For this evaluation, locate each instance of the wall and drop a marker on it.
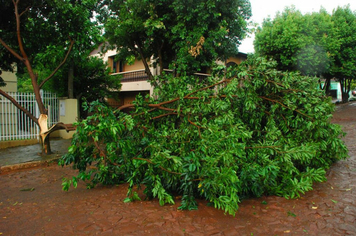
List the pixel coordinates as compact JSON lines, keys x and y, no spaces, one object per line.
{"x":10,"y":80}
{"x":8,"y":112}
{"x":138,"y":65}
{"x":137,"y":86}
{"x":68,"y":114}
{"x":237,"y":60}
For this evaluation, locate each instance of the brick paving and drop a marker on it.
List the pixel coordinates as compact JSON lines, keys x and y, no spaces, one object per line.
{"x":330,"y":209}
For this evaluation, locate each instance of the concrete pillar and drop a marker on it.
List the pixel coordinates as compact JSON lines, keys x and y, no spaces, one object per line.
{"x":68,"y":114}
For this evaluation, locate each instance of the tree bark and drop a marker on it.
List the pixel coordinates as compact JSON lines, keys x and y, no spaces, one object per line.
{"x":44,"y":138}
{"x":71,"y":80}
{"x":147,"y":67}
{"x":326,"y":86}
{"x":345,"y":89}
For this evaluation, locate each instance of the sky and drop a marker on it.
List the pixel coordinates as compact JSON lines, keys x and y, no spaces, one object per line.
{"x":262,"y":9}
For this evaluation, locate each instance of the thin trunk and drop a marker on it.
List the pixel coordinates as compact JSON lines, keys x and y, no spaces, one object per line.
{"x":71,"y":80}
{"x":160,"y":58}
{"x":147,"y":67}
{"x":27,"y":63}
{"x":345,"y":89}
{"x":326,"y":86}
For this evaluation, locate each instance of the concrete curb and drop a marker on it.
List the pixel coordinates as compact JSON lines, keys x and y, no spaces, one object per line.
{"x":27,"y":165}
{"x":17,"y":143}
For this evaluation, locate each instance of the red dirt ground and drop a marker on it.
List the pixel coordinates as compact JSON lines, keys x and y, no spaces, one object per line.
{"x":330,"y":209}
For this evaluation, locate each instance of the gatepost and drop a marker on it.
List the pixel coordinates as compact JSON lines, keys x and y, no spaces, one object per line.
{"x":68,"y":114}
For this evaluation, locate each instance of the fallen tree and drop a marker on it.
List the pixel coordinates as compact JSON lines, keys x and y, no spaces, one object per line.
{"x":249,"y":132}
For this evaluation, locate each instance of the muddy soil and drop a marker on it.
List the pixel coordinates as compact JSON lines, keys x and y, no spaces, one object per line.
{"x":32,"y":203}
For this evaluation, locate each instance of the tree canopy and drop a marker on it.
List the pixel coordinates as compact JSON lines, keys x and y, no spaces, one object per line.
{"x":344,"y":66}
{"x":44,"y":25}
{"x":306,"y":43}
{"x":183,"y":35}
{"x":316,"y":44}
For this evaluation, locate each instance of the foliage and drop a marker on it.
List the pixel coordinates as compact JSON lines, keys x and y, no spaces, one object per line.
{"x":183,"y":35}
{"x":46,"y":26}
{"x":306,"y":43}
{"x":250,"y":131}
{"x":85,"y":33}
{"x":316,"y":44}
{"x":92,"y":81}
{"x":344,"y":67}
{"x":345,"y":20}
{"x":101,"y":127}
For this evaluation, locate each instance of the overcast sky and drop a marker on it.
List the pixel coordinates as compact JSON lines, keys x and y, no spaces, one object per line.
{"x":261,"y":9}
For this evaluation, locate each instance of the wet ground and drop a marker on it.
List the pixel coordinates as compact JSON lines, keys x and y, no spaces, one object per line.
{"x":27,"y":155}
{"x":32,"y":203}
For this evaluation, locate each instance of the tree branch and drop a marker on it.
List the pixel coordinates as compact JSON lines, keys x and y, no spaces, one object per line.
{"x":163,"y":115}
{"x":11,"y":50}
{"x":274,"y":101}
{"x":161,"y":167}
{"x":13,"y":101}
{"x":191,"y":122}
{"x":159,"y":105}
{"x":27,"y":8}
{"x":60,"y":65}
{"x":102,"y":153}
{"x":18,"y":32}
{"x":147,"y":68}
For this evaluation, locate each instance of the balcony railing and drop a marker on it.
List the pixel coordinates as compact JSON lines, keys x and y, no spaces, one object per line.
{"x":201,"y":76}
{"x":140,"y":75}
{"x":132,"y":76}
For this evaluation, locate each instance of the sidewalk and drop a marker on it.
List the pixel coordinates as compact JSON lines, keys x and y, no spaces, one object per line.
{"x":29,"y":156}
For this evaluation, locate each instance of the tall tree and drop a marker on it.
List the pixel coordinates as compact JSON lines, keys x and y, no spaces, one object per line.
{"x":183,"y":35}
{"x":344,"y":66}
{"x":306,"y":43}
{"x":316,"y":44}
{"x":34,"y":28}
{"x":91,"y":81}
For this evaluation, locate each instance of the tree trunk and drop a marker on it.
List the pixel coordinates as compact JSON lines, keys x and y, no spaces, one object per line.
{"x":70,"y":80}
{"x":345,"y":89}
{"x":345,"y":97}
{"x":160,"y":58}
{"x":326,"y":86}
{"x":44,"y":136}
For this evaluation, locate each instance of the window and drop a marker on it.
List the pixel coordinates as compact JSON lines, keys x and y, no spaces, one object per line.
{"x":117,"y":66}
{"x":231,"y":63}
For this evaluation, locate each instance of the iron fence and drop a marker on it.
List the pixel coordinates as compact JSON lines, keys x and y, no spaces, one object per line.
{"x":15,"y":125}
